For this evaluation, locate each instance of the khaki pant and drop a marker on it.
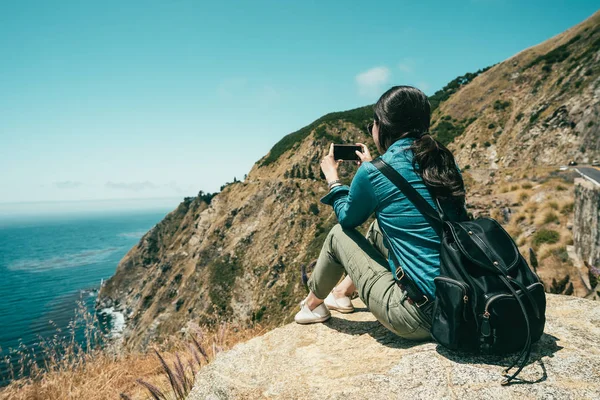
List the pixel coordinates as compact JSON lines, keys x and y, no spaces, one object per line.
{"x":365,"y":261}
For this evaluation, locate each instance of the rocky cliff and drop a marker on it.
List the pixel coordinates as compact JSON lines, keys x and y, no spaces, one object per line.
{"x":237,"y":256}
{"x":353,"y":357}
{"x":586,"y":232}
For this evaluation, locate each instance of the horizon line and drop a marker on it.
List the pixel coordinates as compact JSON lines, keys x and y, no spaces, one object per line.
{"x":91,"y":200}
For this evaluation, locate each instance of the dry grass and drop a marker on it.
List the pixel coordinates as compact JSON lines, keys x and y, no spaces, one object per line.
{"x":540,"y":199}
{"x":523,"y":196}
{"x":531,"y":207}
{"x":167,"y":371}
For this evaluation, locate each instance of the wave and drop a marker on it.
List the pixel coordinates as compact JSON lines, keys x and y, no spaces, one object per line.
{"x":116,"y":321}
{"x":72,"y":260}
{"x":132,"y":235}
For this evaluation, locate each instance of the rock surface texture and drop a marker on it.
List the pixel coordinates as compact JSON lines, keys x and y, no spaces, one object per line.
{"x":586,"y":226}
{"x":353,"y":357}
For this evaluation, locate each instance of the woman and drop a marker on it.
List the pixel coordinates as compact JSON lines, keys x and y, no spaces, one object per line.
{"x":401,"y":251}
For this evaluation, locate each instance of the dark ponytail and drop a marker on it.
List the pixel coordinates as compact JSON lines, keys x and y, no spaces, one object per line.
{"x":404,"y":111}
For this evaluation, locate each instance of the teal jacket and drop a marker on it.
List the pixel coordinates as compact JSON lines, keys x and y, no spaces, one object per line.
{"x":408,"y":235}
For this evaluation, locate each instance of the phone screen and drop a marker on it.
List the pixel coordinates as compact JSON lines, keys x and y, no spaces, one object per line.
{"x":346,"y":152}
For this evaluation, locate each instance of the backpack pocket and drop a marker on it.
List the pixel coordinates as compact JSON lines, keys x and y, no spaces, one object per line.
{"x":503,"y":326}
{"x":450,"y":323}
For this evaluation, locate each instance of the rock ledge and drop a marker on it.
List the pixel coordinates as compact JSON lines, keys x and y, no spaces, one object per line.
{"x":353,"y":357}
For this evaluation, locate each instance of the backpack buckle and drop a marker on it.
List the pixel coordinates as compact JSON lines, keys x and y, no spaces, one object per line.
{"x":399,"y":269}
{"x":423,"y":302}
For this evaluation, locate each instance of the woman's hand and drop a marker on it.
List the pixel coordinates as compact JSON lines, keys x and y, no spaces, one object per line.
{"x":365,"y":155}
{"x":329,"y":166}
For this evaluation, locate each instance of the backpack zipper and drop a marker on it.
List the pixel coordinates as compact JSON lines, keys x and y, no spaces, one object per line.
{"x":458,"y":283}
{"x":485,"y":325}
{"x":465,"y":290}
{"x":494,"y":297}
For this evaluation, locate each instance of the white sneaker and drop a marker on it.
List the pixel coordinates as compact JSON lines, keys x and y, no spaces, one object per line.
{"x":343,"y":305}
{"x":306,"y":316}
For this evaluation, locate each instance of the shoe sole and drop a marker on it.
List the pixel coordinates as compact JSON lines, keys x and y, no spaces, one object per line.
{"x":314,"y":321}
{"x":343,"y":310}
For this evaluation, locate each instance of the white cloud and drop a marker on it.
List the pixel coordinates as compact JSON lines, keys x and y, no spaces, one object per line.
{"x":68,"y":184}
{"x":371,"y":82}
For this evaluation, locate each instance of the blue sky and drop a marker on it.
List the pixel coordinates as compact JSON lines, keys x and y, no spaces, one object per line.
{"x":161,"y":99}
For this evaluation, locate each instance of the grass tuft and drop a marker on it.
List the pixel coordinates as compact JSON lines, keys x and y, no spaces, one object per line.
{"x":99,"y":373}
{"x":548,"y":236}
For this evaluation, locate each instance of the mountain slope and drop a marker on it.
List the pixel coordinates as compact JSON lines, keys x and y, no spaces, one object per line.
{"x":237,"y":256}
{"x":539,"y":107}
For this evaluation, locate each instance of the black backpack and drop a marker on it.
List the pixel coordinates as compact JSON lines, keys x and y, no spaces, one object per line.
{"x":488,"y":300}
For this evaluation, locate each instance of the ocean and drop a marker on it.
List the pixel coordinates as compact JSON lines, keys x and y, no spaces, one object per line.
{"x":50,"y":264}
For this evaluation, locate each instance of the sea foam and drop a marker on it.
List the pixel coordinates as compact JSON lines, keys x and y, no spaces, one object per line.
{"x":116,"y":321}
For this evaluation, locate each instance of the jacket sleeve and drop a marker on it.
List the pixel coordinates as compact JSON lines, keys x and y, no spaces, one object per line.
{"x":353,"y":205}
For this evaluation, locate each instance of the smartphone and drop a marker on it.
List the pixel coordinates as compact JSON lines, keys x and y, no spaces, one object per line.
{"x":346,"y":152}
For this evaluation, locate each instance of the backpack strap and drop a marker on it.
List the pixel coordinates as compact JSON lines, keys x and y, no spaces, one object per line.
{"x":435,"y":217}
{"x":523,"y":357}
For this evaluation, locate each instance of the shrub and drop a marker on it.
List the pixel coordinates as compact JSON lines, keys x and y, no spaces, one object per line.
{"x":560,"y":188}
{"x":519,"y":116}
{"x":560,"y":286}
{"x":531,"y":207}
{"x":466,"y":167}
{"x":314,"y":208}
{"x":469,"y":121}
{"x":222,"y":275}
{"x":523,"y":196}
{"x":451,"y":88}
{"x":446,"y":131}
{"x":491,"y":126}
{"x":501,"y":105}
{"x":548,"y":236}
{"x":550,"y":217}
{"x":487,"y":144}
{"x":526,"y":185}
{"x":567,"y":208}
{"x":556,"y":55}
{"x":358,"y":116}
{"x":206,"y":197}
{"x":553,"y":205}
{"x":561,"y":254}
